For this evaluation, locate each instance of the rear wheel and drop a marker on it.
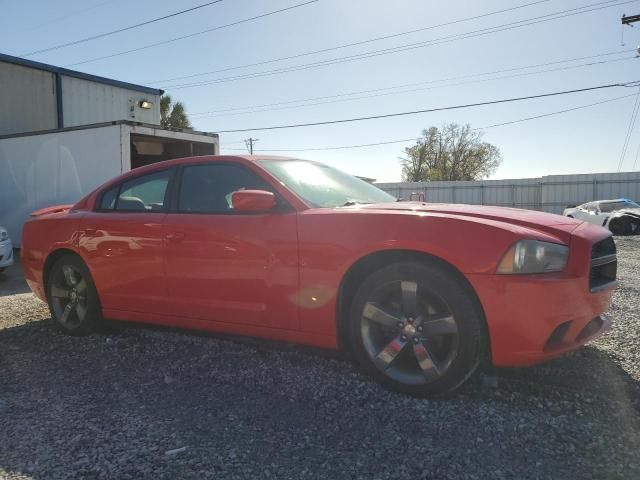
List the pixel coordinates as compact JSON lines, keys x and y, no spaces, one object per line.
{"x":417,"y":329}
{"x":72,"y":296}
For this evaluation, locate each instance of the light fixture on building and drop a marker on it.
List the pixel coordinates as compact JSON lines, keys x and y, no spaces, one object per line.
{"x":145,"y":104}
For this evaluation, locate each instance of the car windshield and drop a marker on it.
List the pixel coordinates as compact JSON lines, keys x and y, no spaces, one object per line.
{"x":613,"y":206}
{"x":324,"y":186}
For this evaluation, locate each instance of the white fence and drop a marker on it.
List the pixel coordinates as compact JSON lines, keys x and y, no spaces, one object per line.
{"x":551,"y":193}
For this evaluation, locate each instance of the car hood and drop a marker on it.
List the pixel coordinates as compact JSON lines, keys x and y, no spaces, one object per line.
{"x":627,"y":211}
{"x":546,"y":222}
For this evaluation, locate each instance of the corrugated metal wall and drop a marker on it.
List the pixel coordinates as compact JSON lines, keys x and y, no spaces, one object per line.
{"x":27,"y":99}
{"x":85,"y":102}
{"x":551,"y":193}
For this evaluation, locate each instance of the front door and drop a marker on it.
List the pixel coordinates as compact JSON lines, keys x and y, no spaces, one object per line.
{"x":226,"y":266}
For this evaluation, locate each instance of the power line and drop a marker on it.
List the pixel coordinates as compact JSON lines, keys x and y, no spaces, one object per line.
{"x":57,"y":19}
{"x":190,"y":35}
{"x":119,"y":30}
{"x":526,"y":119}
{"x":404,"y":47}
{"x":635,"y":161}
{"x":632,"y":122}
{"x":428,"y":110}
{"x":353,"y":44}
{"x":287,"y":105}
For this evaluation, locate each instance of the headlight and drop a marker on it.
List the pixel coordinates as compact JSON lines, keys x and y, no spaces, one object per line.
{"x":4,"y":235}
{"x":533,"y":256}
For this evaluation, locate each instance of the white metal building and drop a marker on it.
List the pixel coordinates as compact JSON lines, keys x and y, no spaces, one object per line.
{"x":63,"y":133}
{"x":35,"y":96}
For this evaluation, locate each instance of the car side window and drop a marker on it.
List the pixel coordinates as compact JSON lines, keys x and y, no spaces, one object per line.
{"x":207,"y":188}
{"x":108,"y":200}
{"x":144,"y":194}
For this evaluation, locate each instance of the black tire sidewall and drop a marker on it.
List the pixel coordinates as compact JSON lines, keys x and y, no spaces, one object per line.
{"x":93,"y":319}
{"x":463,"y":305}
{"x":619,"y":226}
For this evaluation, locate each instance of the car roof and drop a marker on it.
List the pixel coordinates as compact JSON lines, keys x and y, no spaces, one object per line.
{"x":613,"y":201}
{"x":208,"y":158}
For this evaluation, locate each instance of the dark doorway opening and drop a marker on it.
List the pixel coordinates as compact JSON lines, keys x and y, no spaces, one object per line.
{"x":146,"y":149}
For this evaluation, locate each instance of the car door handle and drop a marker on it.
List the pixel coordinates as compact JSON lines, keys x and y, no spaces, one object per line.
{"x":175,"y":237}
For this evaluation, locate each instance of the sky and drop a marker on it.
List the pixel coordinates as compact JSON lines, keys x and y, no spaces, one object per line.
{"x":586,"y":140}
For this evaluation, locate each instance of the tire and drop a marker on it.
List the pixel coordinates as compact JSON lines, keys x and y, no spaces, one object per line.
{"x":2,"y":269}
{"x":619,"y":226}
{"x":417,"y":329}
{"x":72,"y":297}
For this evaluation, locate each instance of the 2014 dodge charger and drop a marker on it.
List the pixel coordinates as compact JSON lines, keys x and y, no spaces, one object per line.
{"x":292,"y":250}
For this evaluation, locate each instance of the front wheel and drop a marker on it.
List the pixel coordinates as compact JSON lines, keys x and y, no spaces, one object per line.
{"x":619,"y":226}
{"x":417,"y":328}
{"x":72,"y":296}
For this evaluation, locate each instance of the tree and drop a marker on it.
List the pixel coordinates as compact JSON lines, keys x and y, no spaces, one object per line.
{"x":453,"y":152}
{"x":173,"y":115}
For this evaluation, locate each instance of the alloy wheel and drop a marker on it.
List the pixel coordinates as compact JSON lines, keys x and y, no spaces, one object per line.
{"x":69,"y":296}
{"x":409,"y":333}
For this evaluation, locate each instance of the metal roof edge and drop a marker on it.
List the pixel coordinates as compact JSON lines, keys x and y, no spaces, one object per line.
{"x":107,"y":124}
{"x":75,"y":74}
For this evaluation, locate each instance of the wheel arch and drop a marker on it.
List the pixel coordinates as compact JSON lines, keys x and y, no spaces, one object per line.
{"x":371,"y":262}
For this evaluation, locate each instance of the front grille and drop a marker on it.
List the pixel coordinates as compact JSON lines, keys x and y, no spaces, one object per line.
{"x":591,"y":328}
{"x":604,"y":264}
{"x":557,"y":336}
{"x":603,"y":248}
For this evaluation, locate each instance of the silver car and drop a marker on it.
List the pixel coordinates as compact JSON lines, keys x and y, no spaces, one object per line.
{"x":621,"y":216}
{"x":6,"y":250}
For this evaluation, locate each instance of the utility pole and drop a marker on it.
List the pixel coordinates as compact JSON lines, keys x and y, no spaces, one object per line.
{"x":630,"y":19}
{"x":249,"y":143}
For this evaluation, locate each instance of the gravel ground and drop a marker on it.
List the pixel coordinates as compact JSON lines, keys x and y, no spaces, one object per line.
{"x":154,"y":403}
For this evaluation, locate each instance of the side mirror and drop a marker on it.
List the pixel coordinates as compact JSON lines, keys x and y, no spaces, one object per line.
{"x":253,"y":201}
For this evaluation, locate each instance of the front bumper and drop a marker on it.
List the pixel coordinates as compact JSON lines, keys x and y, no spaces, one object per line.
{"x":534,"y":318}
{"x":6,"y":254}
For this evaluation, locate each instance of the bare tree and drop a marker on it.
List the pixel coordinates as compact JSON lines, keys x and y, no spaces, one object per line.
{"x":453,"y":152}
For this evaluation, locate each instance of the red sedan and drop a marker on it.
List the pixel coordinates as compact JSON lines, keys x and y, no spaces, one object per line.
{"x":420,"y":294}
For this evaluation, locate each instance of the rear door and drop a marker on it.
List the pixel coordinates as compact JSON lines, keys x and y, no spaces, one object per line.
{"x":226,"y":266}
{"x":124,"y":241}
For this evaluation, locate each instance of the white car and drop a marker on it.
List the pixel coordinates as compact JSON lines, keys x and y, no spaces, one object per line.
{"x":6,"y":250}
{"x":621,"y":216}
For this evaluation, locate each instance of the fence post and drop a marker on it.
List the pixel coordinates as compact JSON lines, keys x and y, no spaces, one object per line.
{"x":453,"y":194}
{"x":513,"y":195}
{"x":482,"y":194}
{"x":595,"y":189}
{"x":540,"y":207}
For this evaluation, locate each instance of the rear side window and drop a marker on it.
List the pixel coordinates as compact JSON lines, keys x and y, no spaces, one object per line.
{"x":207,"y":188}
{"x":144,"y":194}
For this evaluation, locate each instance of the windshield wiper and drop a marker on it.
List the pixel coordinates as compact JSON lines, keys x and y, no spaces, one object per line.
{"x":351,"y":203}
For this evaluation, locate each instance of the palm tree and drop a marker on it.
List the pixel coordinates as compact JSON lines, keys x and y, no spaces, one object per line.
{"x":173,"y":115}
